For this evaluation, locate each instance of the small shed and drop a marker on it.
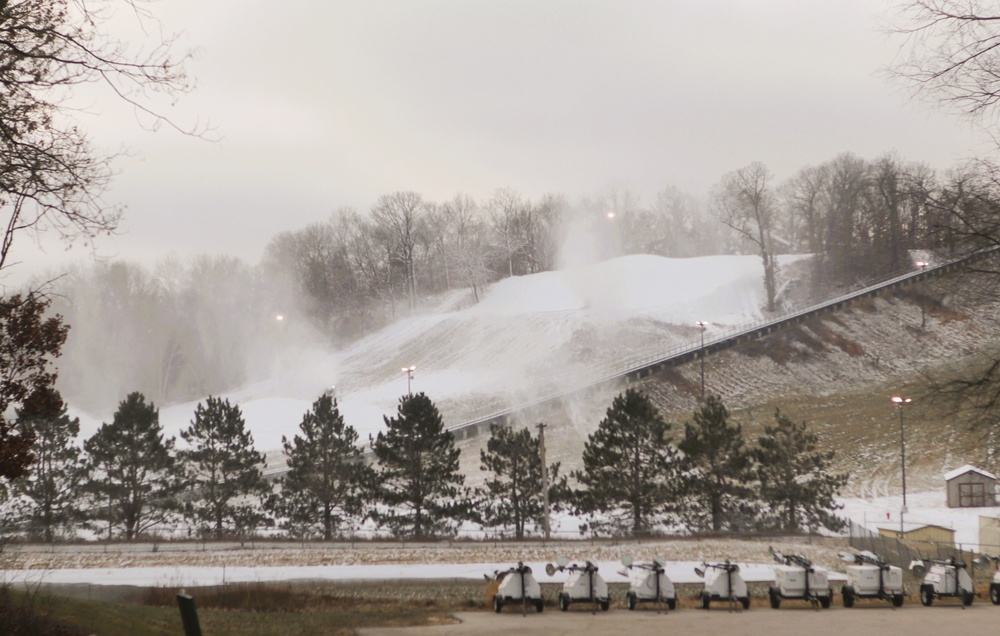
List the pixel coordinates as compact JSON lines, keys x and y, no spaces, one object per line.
{"x":970,"y":487}
{"x":923,"y":535}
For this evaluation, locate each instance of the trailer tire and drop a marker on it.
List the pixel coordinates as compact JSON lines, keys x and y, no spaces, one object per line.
{"x":497,"y":604}
{"x":897,"y":600}
{"x":605,"y":604}
{"x":745,"y":601}
{"x":672,"y":603}
{"x":848,"y":593}
{"x":995,"y":594}
{"x":630,"y":600}
{"x":563,"y":603}
{"x":967,"y":597}
{"x":772,"y":594}
{"x":926,"y":595}
{"x":539,"y":605}
{"x":824,"y":602}
{"x":706,"y":600}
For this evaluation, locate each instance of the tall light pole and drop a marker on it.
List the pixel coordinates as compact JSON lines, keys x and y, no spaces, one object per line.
{"x":545,"y":482}
{"x":923,"y":314}
{"x":703,"y":325}
{"x":409,"y":377}
{"x":900,"y":401}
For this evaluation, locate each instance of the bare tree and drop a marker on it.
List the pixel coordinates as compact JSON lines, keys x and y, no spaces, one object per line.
{"x":802,"y":196}
{"x":950,"y":54}
{"x":398,"y":216}
{"x":744,"y":201}
{"x":51,"y":178}
{"x":846,"y":185}
{"x":505,"y":209}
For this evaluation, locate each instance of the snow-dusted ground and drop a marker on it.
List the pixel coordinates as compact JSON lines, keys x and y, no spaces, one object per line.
{"x":190,"y":565}
{"x":193,"y":564}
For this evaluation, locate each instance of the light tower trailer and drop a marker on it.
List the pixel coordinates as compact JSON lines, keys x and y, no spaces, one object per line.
{"x":796,"y":578}
{"x":723,"y":583}
{"x":991,"y":560}
{"x":995,"y":588}
{"x":945,"y":578}
{"x":517,"y":585}
{"x":871,"y":576}
{"x":584,"y":584}
{"x":649,"y":583}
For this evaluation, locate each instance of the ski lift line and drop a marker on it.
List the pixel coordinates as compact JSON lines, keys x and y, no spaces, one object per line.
{"x":723,"y":339}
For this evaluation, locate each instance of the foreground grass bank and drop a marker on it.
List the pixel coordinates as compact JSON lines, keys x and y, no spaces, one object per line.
{"x":255,"y":609}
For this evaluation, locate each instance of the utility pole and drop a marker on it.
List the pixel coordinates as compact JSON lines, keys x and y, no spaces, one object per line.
{"x":703,"y":325}
{"x":545,"y":481}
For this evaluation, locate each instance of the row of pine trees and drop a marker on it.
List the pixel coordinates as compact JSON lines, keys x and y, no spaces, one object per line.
{"x":129,"y":480}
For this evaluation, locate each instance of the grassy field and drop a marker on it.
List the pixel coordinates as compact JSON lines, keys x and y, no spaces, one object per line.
{"x":261,"y":609}
{"x":255,"y":609}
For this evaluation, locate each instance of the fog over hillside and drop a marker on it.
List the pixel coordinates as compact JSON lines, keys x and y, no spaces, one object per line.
{"x":536,"y":335}
{"x":528,"y":335}
{"x":533,"y":336}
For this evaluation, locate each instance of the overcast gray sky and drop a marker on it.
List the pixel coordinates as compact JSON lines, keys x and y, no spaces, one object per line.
{"x":327,"y":103}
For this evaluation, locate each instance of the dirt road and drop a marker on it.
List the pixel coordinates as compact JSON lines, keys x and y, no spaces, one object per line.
{"x":980,"y":618}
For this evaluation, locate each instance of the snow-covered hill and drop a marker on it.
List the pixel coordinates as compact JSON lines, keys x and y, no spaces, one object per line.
{"x":532,"y":335}
{"x":525,"y":334}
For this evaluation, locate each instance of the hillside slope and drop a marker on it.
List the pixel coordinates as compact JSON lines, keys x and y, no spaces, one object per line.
{"x":532,"y":335}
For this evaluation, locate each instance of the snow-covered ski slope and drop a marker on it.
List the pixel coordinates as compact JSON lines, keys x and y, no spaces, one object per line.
{"x":525,"y":334}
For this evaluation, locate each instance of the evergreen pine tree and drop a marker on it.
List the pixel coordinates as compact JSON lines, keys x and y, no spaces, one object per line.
{"x":630,"y":468}
{"x":513,"y":496}
{"x":131,"y":468}
{"x":719,"y":470}
{"x":327,"y":479}
{"x":419,"y":481}
{"x":223,"y":470}
{"x":49,"y":495}
{"x":795,"y":479}
{"x":29,"y":341}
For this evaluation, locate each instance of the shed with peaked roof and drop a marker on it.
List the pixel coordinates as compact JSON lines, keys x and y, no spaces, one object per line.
{"x":970,"y":487}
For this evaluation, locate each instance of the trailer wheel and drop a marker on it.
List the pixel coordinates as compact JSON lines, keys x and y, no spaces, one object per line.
{"x":563,"y":602}
{"x":824,"y":602}
{"x":497,"y":604}
{"x":539,"y":605}
{"x":897,"y":600}
{"x":630,"y":600}
{"x":672,"y":603}
{"x":706,"y":600}
{"x":848,"y":593}
{"x":605,"y":604}
{"x":967,"y":597}
{"x":745,"y":601}
{"x":772,"y":593}
{"x":995,"y":594}
{"x":926,"y":595}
